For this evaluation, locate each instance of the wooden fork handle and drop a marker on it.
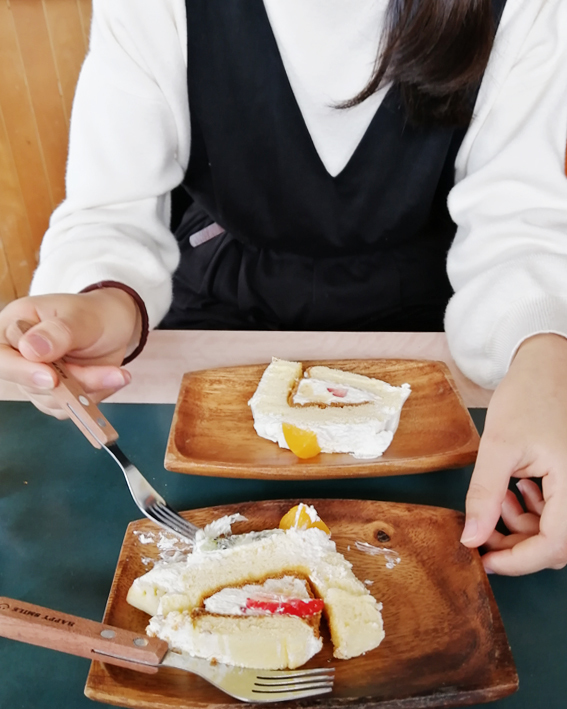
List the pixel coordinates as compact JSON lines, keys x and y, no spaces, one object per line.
{"x":73,"y":398}
{"x":35,"y":625}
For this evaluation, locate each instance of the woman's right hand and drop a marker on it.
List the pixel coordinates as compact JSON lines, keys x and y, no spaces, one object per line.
{"x":92,"y":331}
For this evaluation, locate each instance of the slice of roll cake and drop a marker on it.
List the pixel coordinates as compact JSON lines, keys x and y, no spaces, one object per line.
{"x":272,"y":625}
{"x":255,"y":600}
{"x":346,"y":412}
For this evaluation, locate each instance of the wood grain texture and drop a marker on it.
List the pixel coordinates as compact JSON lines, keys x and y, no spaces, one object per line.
{"x":16,"y":136}
{"x":49,"y":120}
{"x":45,"y":627}
{"x":15,"y":231}
{"x":445,"y":644}
{"x":43,"y":43}
{"x":68,"y":42}
{"x":85,"y":13}
{"x":212,"y":430}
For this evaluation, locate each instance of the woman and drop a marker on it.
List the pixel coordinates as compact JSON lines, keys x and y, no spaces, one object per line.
{"x":329,"y":190}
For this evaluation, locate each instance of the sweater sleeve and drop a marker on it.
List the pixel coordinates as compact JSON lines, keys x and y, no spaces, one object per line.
{"x":508,"y":262}
{"x":128,"y":148}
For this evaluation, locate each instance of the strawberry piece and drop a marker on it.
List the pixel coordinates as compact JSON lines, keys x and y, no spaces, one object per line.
{"x":340,"y":392}
{"x":289,"y":606}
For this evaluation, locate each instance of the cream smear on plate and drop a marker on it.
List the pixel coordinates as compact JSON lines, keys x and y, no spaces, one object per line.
{"x":390,"y":556}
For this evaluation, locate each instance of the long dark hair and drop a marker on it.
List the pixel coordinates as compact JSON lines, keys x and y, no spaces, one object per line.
{"x":436,"y":52}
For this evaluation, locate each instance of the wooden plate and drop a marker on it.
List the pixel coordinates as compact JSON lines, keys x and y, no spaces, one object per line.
{"x":212,"y":432}
{"x":445,"y":644}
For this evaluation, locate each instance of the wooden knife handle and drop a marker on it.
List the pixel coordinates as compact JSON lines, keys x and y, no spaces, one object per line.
{"x":73,"y":398}
{"x":35,"y":625}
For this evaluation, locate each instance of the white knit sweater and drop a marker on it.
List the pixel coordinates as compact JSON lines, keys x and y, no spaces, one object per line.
{"x":130,"y":143}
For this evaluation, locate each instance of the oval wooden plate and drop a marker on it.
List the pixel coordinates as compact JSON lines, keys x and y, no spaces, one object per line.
{"x":212,"y":431}
{"x":445,"y":644}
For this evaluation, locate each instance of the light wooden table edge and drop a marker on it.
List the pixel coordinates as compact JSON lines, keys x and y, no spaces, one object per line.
{"x":169,"y":354}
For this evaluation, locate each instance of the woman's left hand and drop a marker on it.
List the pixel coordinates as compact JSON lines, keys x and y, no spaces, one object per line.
{"x":525,"y":436}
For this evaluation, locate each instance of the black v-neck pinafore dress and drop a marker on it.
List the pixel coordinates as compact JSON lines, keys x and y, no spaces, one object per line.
{"x":303,"y":250}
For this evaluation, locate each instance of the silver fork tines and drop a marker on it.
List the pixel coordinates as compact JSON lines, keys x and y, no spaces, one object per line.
{"x":294,"y":684}
{"x":279,"y":686}
{"x":150,"y":502}
{"x":256,"y":685}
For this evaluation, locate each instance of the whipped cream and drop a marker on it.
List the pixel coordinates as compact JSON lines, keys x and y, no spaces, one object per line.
{"x":390,"y":555}
{"x":232,"y":601}
{"x":319,"y":391}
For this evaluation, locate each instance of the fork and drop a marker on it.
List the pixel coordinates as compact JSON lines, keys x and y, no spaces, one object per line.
{"x":35,"y":625}
{"x":100,"y":433}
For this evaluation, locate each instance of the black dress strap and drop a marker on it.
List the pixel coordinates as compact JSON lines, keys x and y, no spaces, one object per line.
{"x":302,"y":249}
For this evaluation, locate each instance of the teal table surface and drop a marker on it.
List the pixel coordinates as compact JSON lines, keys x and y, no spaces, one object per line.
{"x":64,"y":508}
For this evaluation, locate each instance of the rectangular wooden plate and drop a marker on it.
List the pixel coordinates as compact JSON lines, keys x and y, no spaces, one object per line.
{"x":212,"y":431}
{"x":445,"y":644}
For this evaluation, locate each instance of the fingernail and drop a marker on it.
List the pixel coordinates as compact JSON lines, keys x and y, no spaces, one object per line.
{"x":40,"y":345}
{"x":42,"y":380}
{"x":114,"y":380}
{"x":470,"y":531}
{"x":488,"y":571}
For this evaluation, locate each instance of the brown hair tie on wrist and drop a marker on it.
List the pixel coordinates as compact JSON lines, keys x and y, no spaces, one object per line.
{"x":141,"y":307}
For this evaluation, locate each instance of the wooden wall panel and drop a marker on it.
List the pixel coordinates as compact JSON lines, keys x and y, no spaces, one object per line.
{"x":42,"y":45}
{"x":85,"y":11}
{"x":45,"y":115}
{"x":6,"y":286}
{"x":16,"y":258}
{"x":22,"y":169}
{"x":68,"y":42}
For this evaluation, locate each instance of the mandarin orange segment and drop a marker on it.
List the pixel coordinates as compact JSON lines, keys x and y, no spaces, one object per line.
{"x":299,"y":518}
{"x":303,"y":443}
